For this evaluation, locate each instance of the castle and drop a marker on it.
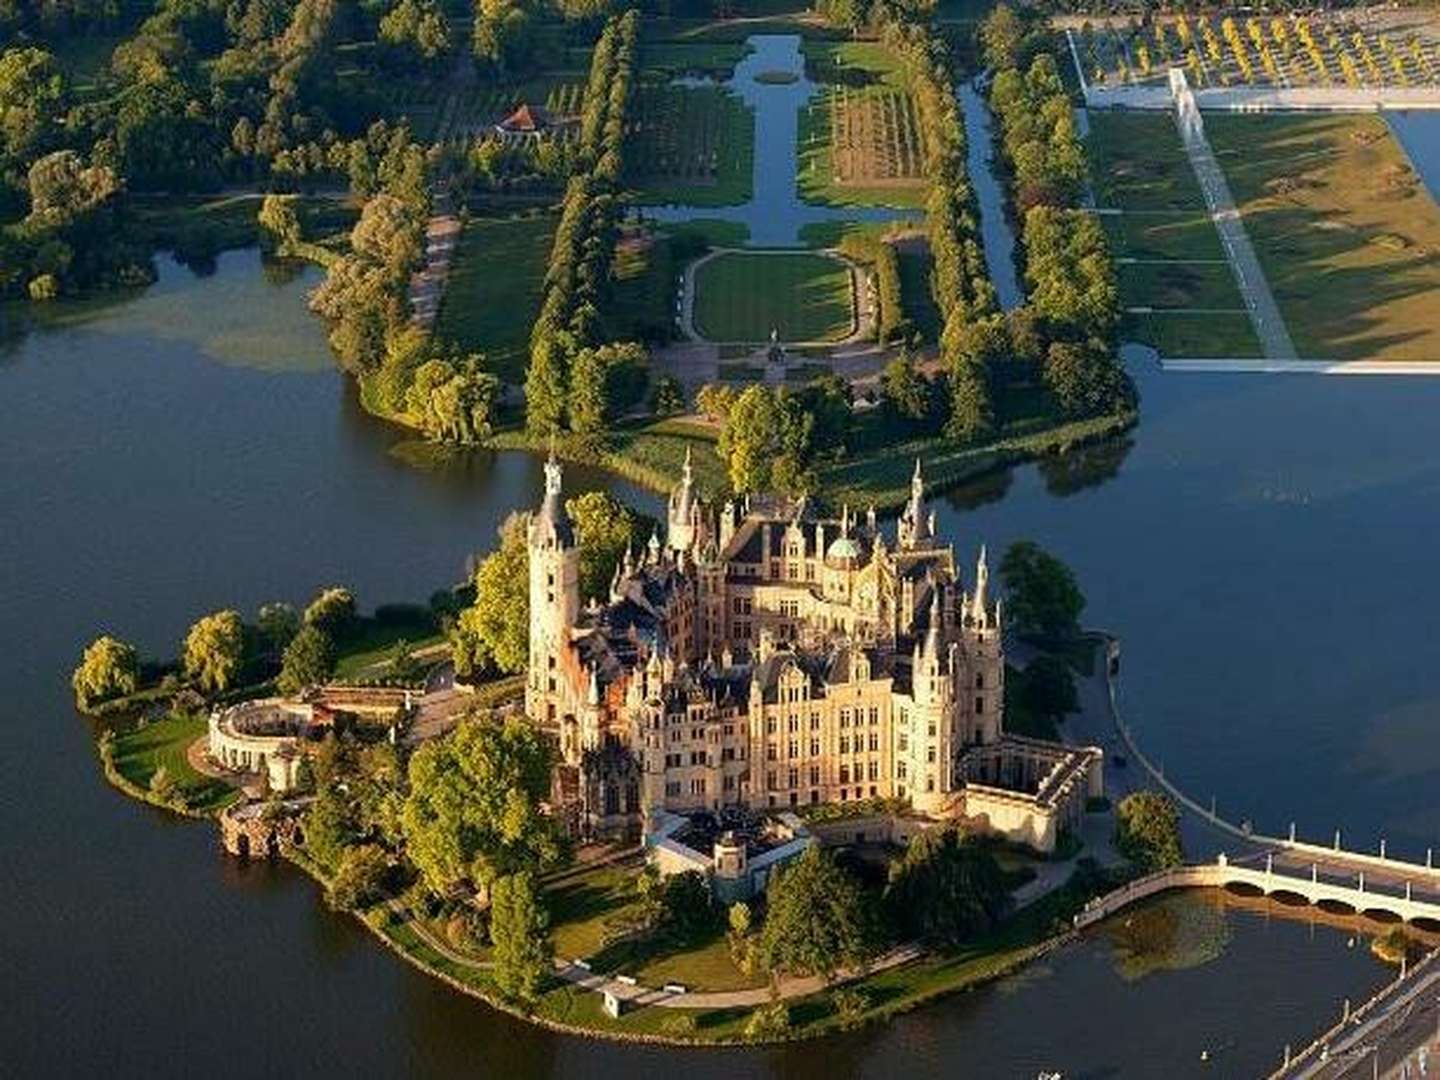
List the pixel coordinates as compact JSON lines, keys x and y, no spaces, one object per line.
{"x":768,"y":658}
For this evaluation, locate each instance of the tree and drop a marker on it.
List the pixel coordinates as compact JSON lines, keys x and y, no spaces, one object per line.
{"x":946,"y":889}
{"x":817,"y":923}
{"x":214,"y":649}
{"x":750,"y":439}
{"x":689,"y":907}
{"x":1048,"y":687}
{"x":32,"y":98}
{"x":1041,"y":596}
{"x":668,"y":396}
{"x":278,"y":624}
{"x":604,"y":529}
{"x":768,"y":1022}
{"x":109,"y":668}
{"x":63,"y":189}
{"x":332,"y":611}
{"x":972,"y":410}
{"x":519,"y":930}
{"x":329,"y":824}
{"x":1085,"y":380}
{"x":474,"y":809}
{"x":360,"y":877}
{"x":309,"y":660}
{"x":1147,"y":830}
{"x":495,"y":630}
{"x":278,"y":218}
{"x":904,"y":391}
{"x":715,"y":400}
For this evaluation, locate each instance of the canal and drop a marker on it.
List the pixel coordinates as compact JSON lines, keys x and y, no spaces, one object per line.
{"x":1265,"y":548}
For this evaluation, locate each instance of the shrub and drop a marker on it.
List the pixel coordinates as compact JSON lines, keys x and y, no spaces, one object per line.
{"x":769,"y":1022}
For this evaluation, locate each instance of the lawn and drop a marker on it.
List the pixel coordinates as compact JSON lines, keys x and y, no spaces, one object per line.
{"x":1344,"y":229}
{"x":741,"y":297}
{"x":860,"y":139}
{"x":1181,"y":336}
{"x":1138,"y":162}
{"x":1182,"y":285}
{"x":692,"y":145}
{"x":642,"y":304}
{"x":493,"y":295}
{"x":141,"y":750}
{"x":581,"y":905}
{"x":1163,"y":236}
{"x":916,"y":296}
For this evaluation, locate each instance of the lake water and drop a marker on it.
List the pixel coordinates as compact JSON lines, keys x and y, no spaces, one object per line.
{"x":775,"y":214}
{"x":1265,"y":547}
{"x":1419,"y":132}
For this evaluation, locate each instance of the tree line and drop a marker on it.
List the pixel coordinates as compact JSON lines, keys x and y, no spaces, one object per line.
{"x":562,"y":383}
{"x":1071,"y":318}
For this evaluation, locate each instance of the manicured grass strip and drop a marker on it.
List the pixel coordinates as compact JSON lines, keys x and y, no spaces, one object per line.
{"x":1180,"y":285}
{"x":1344,"y":230}
{"x":137,"y":754}
{"x":1139,"y":163}
{"x":741,"y":297}
{"x":493,"y":293}
{"x":1163,"y":236}
{"x":1182,"y":336}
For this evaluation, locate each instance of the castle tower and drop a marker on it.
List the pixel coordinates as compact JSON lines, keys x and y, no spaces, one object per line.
{"x":554,"y":605}
{"x":983,"y":702}
{"x":683,"y":524}
{"x":931,"y":736}
{"x":916,"y":527}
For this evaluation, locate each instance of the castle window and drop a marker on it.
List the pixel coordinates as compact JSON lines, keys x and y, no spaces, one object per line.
{"x":770,"y":783}
{"x":874,"y":742}
{"x":727,"y":754}
{"x":697,"y":786}
{"x":794,"y":749}
{"x":874,"y":716}
{"x":904,"y":742}
{"x":930,"y":783}
{"x":672,"y":787}
{"x":873,"y":792}
{"x":874,"y":773}
{"x":697,"y":757}
{"x":771,"y":753}
{"x":844,"y":717}
{"x":844,"y":744}
{"x":979,"y":680}
{"x":930,"y":755}
{"x":814,"y":747}
{"x":844,"y":794}
{"x":769,"y":725}
{"x":814,"y":775}
{"x":814,"y":721}
{"x":900,"y":770}
{"x":814,"y":797}
{"x":794,"y":799}
{"x":729,"y":783}
{"x":844,"y":774}
{"x":794,"y":777}
{"x":979,"y":705}
{"x":931,"y":729}
{"x":809,"y":571}
{"x":792,"y":724}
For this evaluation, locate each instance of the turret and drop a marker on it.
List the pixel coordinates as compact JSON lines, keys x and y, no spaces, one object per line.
{"x":916,"y":528}
{"x":683,"y":525}
{"x":980,"y":609}
{"x":554,"y":573}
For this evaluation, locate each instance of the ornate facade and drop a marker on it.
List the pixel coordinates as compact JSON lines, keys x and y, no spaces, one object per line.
{"x":764,"y":657}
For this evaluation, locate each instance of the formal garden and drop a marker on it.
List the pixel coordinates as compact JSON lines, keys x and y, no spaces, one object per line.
{"x":742,"y":297}
{"x":1331,"y":49}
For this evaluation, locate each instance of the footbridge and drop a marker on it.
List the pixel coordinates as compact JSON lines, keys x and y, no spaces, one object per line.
{"x":1392,"y":894}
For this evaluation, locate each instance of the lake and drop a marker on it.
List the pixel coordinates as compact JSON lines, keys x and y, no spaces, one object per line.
{"x":1265,"y":548}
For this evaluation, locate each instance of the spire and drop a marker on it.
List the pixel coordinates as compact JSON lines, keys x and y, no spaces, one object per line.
{"x":594,"y":696}
{"x":982,"y":582}
{"x":932,"y":633}
{"x":552,"y":523}
{"x":654,"y":546}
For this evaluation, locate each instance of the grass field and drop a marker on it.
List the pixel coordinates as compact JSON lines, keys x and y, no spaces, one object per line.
{"x":860,"y":139}
{"x":1345,"y":231}
{"x":140,"y":751}
{"x":642,"y":305}
{"x":1167,"y":251}
{"x":493,"y":294}
{"x":692,"y":145}
{"x":741,"y":297}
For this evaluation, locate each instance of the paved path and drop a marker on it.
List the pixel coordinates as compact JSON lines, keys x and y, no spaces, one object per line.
{"x":1264,"y":312}
{"x":427,"y":285}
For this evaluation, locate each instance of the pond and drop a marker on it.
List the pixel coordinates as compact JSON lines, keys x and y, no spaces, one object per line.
{"x":996,"y":234}
{"x":1263,"y":546}
{"x":775,"y":214}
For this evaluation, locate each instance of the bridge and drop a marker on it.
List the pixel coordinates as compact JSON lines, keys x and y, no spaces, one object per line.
{"x":1391,"y":893}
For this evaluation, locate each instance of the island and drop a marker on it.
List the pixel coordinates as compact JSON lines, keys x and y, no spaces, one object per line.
{"x":764,"y":771}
